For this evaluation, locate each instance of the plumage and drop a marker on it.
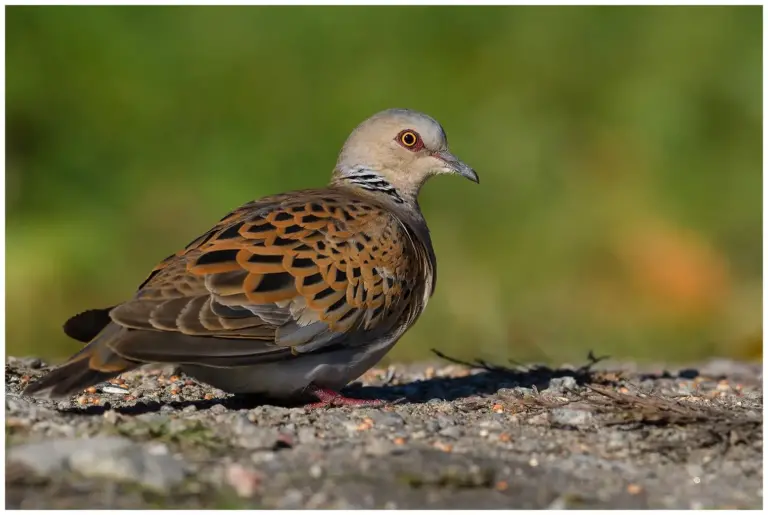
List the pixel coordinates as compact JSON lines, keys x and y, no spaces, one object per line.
{"x":301,"y":291}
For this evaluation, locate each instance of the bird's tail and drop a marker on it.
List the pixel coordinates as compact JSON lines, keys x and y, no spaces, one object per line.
{"x":96,"y":362}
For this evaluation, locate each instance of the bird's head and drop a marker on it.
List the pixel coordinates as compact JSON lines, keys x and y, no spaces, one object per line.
{"x":397,"y":148}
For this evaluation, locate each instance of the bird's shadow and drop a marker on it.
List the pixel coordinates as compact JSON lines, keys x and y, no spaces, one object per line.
{"x":489,"y":380}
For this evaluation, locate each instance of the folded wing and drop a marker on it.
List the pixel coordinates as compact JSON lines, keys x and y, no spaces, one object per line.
{"x":297,"y":273}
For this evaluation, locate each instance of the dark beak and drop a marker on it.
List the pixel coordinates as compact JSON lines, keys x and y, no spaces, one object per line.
{"x":455,"y":165}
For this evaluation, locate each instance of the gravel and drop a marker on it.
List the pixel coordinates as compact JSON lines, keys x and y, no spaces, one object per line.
{"x":466,"y":435}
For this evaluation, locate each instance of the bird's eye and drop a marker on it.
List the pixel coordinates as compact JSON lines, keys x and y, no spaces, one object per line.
{"x":410,"y":140}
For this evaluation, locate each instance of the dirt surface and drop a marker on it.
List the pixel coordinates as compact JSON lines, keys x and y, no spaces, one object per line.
{"x":607,"y":435}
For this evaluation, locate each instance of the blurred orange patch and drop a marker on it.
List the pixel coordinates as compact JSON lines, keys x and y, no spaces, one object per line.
{"x":676,"y":269}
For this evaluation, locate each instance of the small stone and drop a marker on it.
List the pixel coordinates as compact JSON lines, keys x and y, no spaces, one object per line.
{"x":452,"y":432}
{"x":115,"y":390}
{"x":177,"y":425}
{"x":538,"y":420}
{"x":13,"y":422}
{"x":189,"y":409}
{"x":571,"y":416}
{"x":385,"y":419}
{"x":351,"y":426}
{"x":306,"y":434}
{"x":252,"y":436}
{"x":102,"y":456}
{"x":443,"y":446}
{"x":291,"y":499}
{"x":284,"y":441}
{"x":563,"y":383}
{"x":244,"y":481}
{"x":315,"y":471}
{"x":218,"y":408}
{"x":157,"y":449}
{"x":263,"y":456}
{"x":378,"y":447}
{"x":365,"y":425}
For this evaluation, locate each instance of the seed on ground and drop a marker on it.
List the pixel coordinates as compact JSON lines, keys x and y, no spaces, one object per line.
{"x":634,"y":489}
{"x":365,"y":425}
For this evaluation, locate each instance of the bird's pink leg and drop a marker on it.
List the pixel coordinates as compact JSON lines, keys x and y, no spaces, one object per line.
{"x":329,"y":398}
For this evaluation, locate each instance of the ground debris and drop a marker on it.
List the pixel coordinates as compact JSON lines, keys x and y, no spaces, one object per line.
{"x":468,"y":434}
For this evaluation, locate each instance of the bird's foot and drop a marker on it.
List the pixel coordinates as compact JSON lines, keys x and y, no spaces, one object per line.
{"x":329,"y":398}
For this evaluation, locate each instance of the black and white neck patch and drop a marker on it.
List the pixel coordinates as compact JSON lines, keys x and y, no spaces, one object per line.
{"x":370,"y":180}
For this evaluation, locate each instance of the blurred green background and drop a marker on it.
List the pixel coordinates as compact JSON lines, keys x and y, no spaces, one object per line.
{"x":619,"y":150}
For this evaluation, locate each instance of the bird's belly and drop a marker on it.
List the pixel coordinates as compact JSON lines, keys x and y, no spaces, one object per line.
{"x":285,"y":379}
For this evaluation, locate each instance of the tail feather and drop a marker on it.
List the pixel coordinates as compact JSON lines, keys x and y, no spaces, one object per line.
{"x":95,"y":363}
{"x":87,"y":325}
{"x":117,"y":349}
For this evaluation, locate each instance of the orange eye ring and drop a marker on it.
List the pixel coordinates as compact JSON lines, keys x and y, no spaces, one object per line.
{"x":409,"y":139}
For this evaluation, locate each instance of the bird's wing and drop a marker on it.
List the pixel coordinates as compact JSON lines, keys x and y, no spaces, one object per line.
{"x":295,"y":272}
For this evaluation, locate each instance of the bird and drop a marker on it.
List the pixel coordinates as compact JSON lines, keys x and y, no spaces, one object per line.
{"x":289,"y":295}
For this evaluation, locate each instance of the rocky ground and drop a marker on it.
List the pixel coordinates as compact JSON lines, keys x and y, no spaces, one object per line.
{"x":465,"y":436}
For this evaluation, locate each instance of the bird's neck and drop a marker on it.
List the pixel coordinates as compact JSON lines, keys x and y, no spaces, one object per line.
{"x":371,"y":182}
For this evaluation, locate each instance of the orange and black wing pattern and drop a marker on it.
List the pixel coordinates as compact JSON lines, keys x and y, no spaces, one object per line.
{"x":301,"y":271}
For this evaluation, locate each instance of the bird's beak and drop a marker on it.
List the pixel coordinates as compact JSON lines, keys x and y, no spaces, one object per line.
{"x":454,"y":165}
